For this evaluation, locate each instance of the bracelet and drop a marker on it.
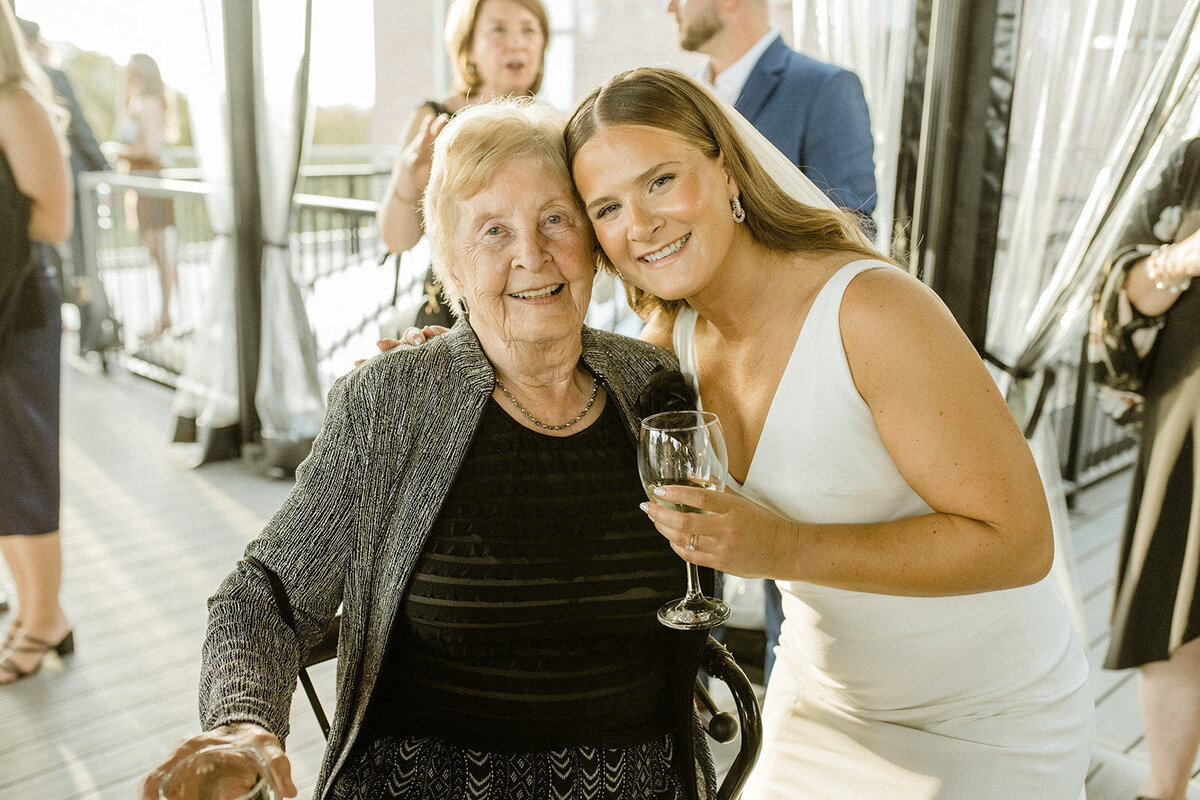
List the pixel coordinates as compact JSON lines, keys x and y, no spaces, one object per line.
{"x":1159,"y":275}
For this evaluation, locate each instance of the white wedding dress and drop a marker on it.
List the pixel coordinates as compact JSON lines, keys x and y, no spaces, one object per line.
{"x":972,"y":697}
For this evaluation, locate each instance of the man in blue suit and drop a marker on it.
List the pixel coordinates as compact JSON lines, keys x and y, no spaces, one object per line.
{"x":814,"y":112}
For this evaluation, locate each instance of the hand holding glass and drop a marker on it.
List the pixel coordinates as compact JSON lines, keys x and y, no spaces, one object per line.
{"x":220,"y":772}
{"x":684,"y":448}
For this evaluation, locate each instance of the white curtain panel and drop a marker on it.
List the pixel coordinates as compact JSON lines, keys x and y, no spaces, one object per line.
{"x":207,"y":390}
{"x":1079,"y":152}
{"x":288,"y":397}
{"x":873,"y":39}
{"x":1074,"y":142}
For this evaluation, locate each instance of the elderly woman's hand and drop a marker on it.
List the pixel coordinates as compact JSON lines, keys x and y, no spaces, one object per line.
{"x":245,"y":734}
{"x":731,"y":534}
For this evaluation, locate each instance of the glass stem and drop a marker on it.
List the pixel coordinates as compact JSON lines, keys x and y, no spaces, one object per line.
{"x":693,"y":588}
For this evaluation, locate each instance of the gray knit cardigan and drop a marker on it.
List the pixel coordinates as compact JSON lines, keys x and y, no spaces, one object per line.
{"x":351,"y":531}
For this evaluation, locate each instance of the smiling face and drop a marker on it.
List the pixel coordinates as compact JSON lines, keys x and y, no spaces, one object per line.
{"x":524,"y":264}
{"x":506,"y":49}
{"x":660,"y":208}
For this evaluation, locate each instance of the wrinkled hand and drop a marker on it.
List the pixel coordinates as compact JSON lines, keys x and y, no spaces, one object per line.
{"x":734,"y":534}
{"x":246,"y":734}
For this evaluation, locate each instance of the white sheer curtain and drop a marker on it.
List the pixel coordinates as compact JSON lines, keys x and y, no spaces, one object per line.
{"x":873,"y":39}
{"x":1082,"y":149}
{"x":288,"y":398}
{"x":1071,"y":149}
{"x":206,"y":399}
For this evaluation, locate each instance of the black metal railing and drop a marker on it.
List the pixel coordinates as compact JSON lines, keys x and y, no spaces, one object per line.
{"x":336,"y":256}
{"x":353,"y":292}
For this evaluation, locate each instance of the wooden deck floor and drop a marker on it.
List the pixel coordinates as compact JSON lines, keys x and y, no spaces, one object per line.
{"x":147,"y":538}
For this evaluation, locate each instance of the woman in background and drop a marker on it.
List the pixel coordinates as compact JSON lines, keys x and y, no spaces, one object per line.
{"x":497,"y":49}
{"x":35,"y":207}
{"x":1148,"y":298}
{"x":142,"y":134}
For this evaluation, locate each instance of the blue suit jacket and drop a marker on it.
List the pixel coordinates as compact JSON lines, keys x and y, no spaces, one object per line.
{"x":816,"y":114}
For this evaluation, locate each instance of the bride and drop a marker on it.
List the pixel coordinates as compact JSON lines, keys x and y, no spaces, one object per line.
{"x":876,"y":472}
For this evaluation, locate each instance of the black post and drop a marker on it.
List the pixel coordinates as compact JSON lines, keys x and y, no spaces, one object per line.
{"x":239,"y":68}
{"x":954,"y":142}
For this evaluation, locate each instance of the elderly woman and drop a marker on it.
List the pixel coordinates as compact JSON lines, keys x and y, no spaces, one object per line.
{"x":473,"y":506}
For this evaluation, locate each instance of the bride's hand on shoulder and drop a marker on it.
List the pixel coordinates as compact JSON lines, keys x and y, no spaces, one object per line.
{"x":413,"y":337}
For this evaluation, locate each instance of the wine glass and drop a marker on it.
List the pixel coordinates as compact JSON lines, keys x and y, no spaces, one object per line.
{"x":220,"y":772}
{"x":684,"y":448}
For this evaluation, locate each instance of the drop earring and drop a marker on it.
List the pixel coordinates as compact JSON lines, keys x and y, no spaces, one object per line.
{"x":739,"y":213}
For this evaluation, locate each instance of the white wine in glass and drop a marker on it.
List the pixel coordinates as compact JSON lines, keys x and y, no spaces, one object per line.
{"x":220,"y":772}
{"x":684,"y":448}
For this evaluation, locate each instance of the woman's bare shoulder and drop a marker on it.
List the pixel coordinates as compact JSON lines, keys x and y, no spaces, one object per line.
{"x":892,"y":324}
{"x":17,"y":100}
{"x":21,"y":114}
{"x":884,"y":293}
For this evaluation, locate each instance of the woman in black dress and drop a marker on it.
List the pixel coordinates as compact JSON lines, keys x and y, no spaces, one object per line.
{"x":1148,"y":315}
{"x":35,"y":207}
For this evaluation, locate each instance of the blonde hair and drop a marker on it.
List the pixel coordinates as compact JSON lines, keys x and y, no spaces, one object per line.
{"x":17,"y":68}
{"x":461,"y":20}
{"x":473,"y":147}
{"x":671,"y":101}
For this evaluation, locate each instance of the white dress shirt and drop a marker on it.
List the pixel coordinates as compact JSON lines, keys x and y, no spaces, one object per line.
{"x":731,"y":81}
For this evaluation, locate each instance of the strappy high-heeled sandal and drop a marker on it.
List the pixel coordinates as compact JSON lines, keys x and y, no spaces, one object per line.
{"x":31,"y":644}
{"x":14,"y":631}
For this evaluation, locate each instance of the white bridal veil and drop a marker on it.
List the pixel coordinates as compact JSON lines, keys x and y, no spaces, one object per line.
{"x":786,"y":175}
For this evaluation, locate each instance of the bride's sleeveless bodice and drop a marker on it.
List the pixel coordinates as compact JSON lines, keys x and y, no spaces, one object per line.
{"x":900,"y":661}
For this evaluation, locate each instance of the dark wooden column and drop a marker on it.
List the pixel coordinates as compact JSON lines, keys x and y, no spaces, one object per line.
{"x":954,"y":143}
{"x":239,"y":18}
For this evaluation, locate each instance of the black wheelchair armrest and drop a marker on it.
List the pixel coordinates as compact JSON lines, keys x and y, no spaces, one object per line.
{"x":718,"y":663}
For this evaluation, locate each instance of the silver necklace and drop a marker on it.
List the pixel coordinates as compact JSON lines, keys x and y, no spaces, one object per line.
{"x":538,"y":422}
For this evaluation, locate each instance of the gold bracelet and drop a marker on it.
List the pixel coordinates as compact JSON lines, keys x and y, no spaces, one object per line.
{"x":1159,"y":275}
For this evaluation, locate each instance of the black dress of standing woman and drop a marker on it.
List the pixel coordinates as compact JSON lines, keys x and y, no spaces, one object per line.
{"x":1148,"y":321}
{"x":35,"y":207}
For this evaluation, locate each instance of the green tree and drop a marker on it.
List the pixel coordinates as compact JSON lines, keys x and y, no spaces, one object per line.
{"x":96,"y":79}
{"x":341,"y":125}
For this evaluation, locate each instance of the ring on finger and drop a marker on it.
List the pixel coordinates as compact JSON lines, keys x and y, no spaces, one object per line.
{"x":691,"y":546}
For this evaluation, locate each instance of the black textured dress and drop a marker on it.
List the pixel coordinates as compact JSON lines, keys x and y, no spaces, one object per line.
{"x":526,"y":660}
{"x":30,"y":333}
